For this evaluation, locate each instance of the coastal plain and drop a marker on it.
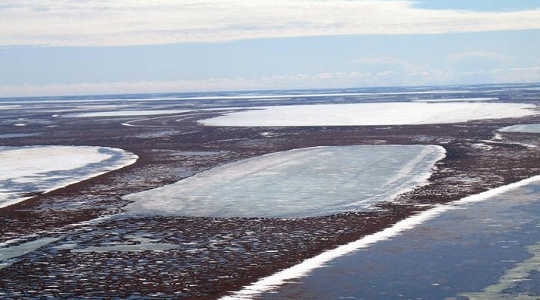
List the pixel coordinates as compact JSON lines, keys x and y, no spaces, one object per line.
{"x":82,"y":241}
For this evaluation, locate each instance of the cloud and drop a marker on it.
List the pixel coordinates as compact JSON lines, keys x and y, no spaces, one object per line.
{"x":481,"y":62}
{"x":410,"y":77}
{"x":338,"y":79}
{"x":492,"y":56}
{"x":517,"y":74}
{"x":135,"y":22}
{"x":379,"y":61}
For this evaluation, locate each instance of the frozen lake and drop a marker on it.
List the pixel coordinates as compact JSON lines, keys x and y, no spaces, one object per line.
{"x":392,"y":113}
{"x":38,"y":169}
{"x":296,"y":183}
{"x":524,"y":128}
{"x":476,"y":249}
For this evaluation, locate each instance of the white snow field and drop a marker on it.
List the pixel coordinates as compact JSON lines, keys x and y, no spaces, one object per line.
{"x":524,"y":128}
{"x":122,"y":113}
{"x":391,"y":113}
{"x":457,"y":100}
{"x":42,"y":169}
{"x":296,"y":183}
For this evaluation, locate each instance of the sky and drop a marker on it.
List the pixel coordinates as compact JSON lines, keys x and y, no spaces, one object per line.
{"x":68,"y":47}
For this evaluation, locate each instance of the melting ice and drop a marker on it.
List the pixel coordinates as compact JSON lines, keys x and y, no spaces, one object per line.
{"x":296,"y":183}
{"x":25,"y":170}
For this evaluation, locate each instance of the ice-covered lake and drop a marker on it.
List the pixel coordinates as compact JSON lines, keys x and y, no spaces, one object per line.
{"x":297,"y":183}
{"x":391,"y":113}
{"x":524,"y":128}
{"x":25,"y":170}
{"x":486,"y":247}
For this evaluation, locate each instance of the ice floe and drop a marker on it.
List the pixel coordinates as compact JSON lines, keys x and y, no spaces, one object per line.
{"x":296,"y":183}
{"x":391,"y":113}
{"x":38,"y":169}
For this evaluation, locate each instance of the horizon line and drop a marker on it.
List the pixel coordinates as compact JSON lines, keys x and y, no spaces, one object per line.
{"x":276,"y":90}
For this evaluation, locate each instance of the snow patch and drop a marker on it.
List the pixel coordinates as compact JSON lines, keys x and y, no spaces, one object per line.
{"x":392,"y":113}
{"x":34,"y":169}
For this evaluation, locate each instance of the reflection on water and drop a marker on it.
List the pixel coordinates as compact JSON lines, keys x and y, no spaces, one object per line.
{"x":486,"y":250}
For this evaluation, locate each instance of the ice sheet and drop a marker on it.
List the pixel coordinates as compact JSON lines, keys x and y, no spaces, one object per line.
{"x":34,"y":169}
{"x":392,"y":113}
{"x":126,"y":113}
{"x":524,"y":128}
{"x":296,"y":183}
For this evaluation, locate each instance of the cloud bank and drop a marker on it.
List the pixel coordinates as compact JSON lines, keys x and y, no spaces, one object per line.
{"x":134,"y":22}
{"x":407,"y":77}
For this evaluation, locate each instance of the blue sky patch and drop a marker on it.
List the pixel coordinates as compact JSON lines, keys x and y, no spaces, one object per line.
{"x":479,"y":5}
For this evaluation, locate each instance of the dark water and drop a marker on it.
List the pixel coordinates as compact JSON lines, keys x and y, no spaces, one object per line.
{"x":460,"y":252}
